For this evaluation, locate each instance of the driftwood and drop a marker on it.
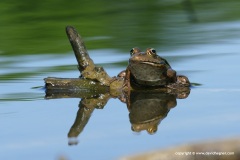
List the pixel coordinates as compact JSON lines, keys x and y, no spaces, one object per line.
{"x":93,"y":78}
{"x":73,"y":87}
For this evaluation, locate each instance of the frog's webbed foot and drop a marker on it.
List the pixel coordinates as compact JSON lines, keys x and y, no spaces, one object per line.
{"x":181,"y":87}
{"x":119,"y":77}
{"x":183,"y":81}
{"x":183,"y":94}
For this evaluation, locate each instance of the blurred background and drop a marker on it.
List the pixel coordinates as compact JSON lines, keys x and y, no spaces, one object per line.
{"x":199,"y":38}
{"x":38,"y":28}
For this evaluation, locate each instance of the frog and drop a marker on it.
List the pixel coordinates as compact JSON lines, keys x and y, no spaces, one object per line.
{"x":148,"y":69}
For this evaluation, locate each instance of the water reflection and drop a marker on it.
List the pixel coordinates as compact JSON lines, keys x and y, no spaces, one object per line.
{"x":147,"y":108}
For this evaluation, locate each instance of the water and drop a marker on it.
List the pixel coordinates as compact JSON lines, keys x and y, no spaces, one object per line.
{"x":206,"y":51}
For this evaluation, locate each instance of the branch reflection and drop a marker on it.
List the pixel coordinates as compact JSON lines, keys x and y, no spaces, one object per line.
{"x":146,"y":108}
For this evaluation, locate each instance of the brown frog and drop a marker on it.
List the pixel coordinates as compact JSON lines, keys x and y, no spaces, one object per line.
{"x":147,"y":69}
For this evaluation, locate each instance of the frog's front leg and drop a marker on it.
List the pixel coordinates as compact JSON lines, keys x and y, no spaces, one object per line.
{"x":122,"y":74}
{"x":172,"y":75}
{"x":127,"y":78}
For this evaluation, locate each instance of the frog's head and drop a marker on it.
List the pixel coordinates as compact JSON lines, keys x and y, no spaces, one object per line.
{"x":150,"y":56}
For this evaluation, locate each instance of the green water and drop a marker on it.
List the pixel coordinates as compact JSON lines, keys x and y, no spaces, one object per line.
{"x":30,"y":28}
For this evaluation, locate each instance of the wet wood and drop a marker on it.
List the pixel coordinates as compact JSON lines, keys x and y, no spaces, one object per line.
{"x":73,"y":87}
{"x":79,"y":49}
{"x":92,"y":77}
{"x":85,"y":64}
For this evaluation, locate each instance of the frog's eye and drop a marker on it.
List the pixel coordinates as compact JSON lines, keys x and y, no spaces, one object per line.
{"x":132,"y":52}
{"x":153,"y":51}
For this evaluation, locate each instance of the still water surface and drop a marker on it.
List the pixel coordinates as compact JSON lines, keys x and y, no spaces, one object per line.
{"x":35,"y":128}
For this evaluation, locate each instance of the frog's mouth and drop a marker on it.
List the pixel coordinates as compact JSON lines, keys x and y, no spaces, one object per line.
{"x":155,"y":64}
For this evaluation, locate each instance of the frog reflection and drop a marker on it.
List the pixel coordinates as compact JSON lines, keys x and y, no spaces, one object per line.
{"x":146,"y":109}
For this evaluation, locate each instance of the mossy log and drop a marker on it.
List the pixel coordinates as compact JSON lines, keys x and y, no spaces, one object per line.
{"x":73,"y":87}
{"x":93,"y":78}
